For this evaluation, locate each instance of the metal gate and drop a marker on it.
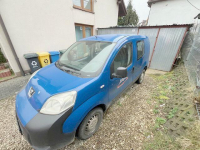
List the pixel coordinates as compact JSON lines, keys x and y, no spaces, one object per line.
{"x":167,"y":47}
{"x":152,"y":34}
{"x":165,"y":42}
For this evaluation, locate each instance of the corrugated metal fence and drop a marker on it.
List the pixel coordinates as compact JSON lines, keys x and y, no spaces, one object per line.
{"x":165,"y":42}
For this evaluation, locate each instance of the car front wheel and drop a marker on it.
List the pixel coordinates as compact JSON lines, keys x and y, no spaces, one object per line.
{"x":90,"y":124}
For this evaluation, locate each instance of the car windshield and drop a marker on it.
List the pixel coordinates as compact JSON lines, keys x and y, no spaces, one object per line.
{"x":86,"y":57}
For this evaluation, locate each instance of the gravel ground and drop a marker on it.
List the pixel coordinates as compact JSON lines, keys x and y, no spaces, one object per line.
{"x":125,"y":124}
{"x":11,"y":87}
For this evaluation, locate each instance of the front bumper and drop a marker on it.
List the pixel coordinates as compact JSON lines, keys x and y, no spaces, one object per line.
{"x":45,"y":131}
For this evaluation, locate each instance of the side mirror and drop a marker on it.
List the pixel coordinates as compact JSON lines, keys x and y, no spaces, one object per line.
{"x":121,"y":73}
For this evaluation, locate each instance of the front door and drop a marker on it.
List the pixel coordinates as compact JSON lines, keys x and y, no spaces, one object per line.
{"x":124,"y":58}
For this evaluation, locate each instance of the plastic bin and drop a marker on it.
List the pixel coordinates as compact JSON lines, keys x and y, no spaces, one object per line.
{"x":33,"y":62}
{"x":44,"y":58}
{"x":54,"y":56}
{"x":62,"y":51}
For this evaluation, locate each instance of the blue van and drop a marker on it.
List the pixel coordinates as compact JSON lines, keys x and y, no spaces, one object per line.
{"x":69,"y":97}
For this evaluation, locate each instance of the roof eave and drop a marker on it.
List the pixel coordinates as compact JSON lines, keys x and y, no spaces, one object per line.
{"x":150,"y":2}
{"x":122,"y":8}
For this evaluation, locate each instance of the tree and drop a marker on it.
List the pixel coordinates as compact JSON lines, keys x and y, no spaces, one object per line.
{"x":131,"y":18}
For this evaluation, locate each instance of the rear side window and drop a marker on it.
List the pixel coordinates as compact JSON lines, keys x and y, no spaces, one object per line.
{"x":123,"y":58}
{"x":140,"y":49}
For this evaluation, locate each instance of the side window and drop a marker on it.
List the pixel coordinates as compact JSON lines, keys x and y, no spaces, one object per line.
{"x":140,"y":49}
{"x":123,"y":58}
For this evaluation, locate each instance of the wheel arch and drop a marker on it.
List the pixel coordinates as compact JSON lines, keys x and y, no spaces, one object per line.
{"x":103,"y":106}
{"x":78,"y":115}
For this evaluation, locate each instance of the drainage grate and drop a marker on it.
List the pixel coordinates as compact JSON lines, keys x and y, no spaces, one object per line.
{"x":198,"y":109}
{"x":181,"y":120}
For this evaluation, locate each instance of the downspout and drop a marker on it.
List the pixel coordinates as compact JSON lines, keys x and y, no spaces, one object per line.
{"x":12,"y":47}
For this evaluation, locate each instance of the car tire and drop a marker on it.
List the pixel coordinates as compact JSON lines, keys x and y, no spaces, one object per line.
{"x":141,"y":78}
{"x":90,"y":124}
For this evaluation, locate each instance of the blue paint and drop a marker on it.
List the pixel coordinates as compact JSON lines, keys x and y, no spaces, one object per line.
{"x":24,"y":109}
{"x":54,"y":56}
{"x":50,"y":80}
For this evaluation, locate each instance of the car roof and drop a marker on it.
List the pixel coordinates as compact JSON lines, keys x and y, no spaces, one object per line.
{"x":111,"y":37}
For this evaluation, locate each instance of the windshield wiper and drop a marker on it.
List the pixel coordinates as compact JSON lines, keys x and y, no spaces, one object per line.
{"x":70,"y":71}
{"x":61,"y":64}
{"x":71,"y":68}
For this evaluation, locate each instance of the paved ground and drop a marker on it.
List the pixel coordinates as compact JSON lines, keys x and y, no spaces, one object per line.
{"x":11,"y":87}
{"x":124,"y":126}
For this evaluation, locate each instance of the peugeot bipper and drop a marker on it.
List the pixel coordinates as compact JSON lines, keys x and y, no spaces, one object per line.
{"x":69,"y":97}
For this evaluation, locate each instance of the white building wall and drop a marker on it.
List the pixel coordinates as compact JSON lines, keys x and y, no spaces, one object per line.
{"x":171,"y":12}
{"x":47,"y":25}
{"x":7,"y":51}
{"x":106,"y":13}
{"x":83,"y":17}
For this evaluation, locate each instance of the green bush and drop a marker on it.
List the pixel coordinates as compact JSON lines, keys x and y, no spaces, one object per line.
{"x":2,"y":58}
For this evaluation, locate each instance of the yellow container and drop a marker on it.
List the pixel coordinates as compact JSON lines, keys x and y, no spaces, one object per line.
{"x":44,"y":58}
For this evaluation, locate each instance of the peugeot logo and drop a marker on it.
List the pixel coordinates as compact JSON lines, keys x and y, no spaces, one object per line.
{"x":31,"y":92}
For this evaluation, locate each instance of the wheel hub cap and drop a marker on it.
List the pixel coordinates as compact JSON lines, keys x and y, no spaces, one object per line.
{"x":91,"y":125}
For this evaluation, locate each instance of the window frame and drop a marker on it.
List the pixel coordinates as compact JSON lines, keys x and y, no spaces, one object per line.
{"x":82,"y":6}
{"x":83,"y":29}
{"x":137,"y":49}
{"x":112,"y":67}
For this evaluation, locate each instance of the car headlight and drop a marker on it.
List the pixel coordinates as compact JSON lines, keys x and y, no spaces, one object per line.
{"x":59,"y":103}
{"x":33,"y":75}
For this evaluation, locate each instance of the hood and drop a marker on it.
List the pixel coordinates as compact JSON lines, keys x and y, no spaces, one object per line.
{"x":50,"y":81}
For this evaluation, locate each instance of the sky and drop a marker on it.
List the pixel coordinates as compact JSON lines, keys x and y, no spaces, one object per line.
{"x":141,"y":8}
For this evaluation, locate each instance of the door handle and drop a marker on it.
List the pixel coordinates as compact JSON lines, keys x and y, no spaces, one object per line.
{"x":133,"y":69}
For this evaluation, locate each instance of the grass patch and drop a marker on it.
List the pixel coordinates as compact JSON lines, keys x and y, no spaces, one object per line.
{"x":159,"y":121}
{"x":190,"y":140}
{"x":119,"y":103}
{"x":172,"y":113}
{"x":156,"y":111}
{"x":161,"y":141}
{"x":164,"y":135}
{"x":162,"y":97}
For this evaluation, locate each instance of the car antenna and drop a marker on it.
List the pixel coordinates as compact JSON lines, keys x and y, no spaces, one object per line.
{"x":96,"y":37}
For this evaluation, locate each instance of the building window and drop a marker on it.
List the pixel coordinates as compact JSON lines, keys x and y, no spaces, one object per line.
{"x":83,"y":4}
{"x":83,"y":31}
{"x":140,"y":49}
